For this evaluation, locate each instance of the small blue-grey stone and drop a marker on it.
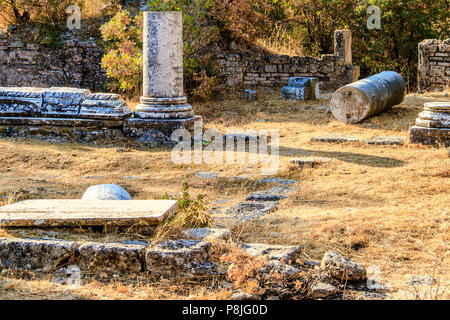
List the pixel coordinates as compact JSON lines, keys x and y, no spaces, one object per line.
{"x":106,"y":192}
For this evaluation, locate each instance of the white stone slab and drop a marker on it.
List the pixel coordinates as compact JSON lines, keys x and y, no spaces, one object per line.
{"x":71,"y":213}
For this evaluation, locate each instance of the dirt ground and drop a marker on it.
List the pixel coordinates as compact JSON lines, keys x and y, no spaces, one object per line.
{"x":384,"y":206}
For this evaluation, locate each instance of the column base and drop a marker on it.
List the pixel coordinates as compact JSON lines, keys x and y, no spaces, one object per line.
{"x":157,"y":131}
{"x":163,"y":108}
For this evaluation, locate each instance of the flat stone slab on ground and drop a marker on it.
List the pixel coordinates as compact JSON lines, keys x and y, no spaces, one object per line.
{"x":207,"y":233}
{"x":274,"y":252}
{"x":335,"y":138}
{"x":34,"y":254}
{"x":274,"y":194}
{"x":322,"y":290}
{"x":207,"y":175}
{"x":311,"y":162}
{"x":248,"y":210}
{"x":73,"y":213}
{"x":276,"y":180}
{"x":386,"y":140}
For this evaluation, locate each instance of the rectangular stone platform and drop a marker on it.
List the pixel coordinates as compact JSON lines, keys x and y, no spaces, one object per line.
{"x":74,"y":213}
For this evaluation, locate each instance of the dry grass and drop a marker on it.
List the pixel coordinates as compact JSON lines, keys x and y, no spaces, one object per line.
{"x":385,"y":206}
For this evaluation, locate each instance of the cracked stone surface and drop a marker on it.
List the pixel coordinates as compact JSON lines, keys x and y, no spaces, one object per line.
{"x":34,"y":254}
{"x":274,"y":194}
{"x":273,"y":252}
{"x":111,"y":256}
{"x":342,"y":268}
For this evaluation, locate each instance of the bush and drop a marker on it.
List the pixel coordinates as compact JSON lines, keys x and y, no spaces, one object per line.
{"x":123,"y":61}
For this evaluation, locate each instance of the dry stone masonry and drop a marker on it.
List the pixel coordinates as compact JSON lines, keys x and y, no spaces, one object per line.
{"x":434,"y":65}
{"x":74,"y":63}
{"x":262,"y":68}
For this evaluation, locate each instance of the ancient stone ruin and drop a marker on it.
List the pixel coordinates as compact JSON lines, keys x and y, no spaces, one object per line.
{"x":433,"y":125}
{"x":262,"y":68}
{"x":301,"y":88}
{"x":434,"y":65}
{"x":79,"y":115}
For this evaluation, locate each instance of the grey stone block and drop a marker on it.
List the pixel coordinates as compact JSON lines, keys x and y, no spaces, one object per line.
{"x":34,"y":254}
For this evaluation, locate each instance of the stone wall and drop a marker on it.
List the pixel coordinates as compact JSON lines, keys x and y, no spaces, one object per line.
{"x":72,"y":64}
{"x":252,"y":68}
{"x":434,"y":65}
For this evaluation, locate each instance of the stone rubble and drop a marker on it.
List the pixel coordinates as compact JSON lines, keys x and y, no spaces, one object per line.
{"x":342,"y":268}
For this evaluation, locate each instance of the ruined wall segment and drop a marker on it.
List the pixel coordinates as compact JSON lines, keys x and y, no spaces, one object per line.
{"x":434,"y":65}
{"x":252,"y":68}
{"x":74,"y":63}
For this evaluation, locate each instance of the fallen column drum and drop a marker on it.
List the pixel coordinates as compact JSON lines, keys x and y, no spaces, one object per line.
{"x":368,"y":97}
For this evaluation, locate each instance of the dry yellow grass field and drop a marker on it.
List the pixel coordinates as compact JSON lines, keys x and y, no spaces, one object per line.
{"x":385,"y":206}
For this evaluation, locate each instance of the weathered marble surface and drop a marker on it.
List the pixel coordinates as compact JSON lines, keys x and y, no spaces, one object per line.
{"x":60,"y":102}
{"x":301,"y":88}
{"x":368,"y":97}
{"x":51,"y":213}
{"x":163,"y":96}
{"x":248,"y":210}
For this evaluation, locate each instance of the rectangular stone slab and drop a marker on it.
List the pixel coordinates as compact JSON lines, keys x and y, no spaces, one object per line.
{"x":72,"y":213}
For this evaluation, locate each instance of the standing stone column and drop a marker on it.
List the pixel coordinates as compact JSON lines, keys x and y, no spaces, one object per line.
{"x":163,"y":108}
{"x":163,"y":96}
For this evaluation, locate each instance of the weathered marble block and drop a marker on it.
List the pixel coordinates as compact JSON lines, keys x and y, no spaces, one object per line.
{"x":301,"y":88}
{"x":76,"y":213}
{"x":34,"y":254}
{"x":61,"y":102}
